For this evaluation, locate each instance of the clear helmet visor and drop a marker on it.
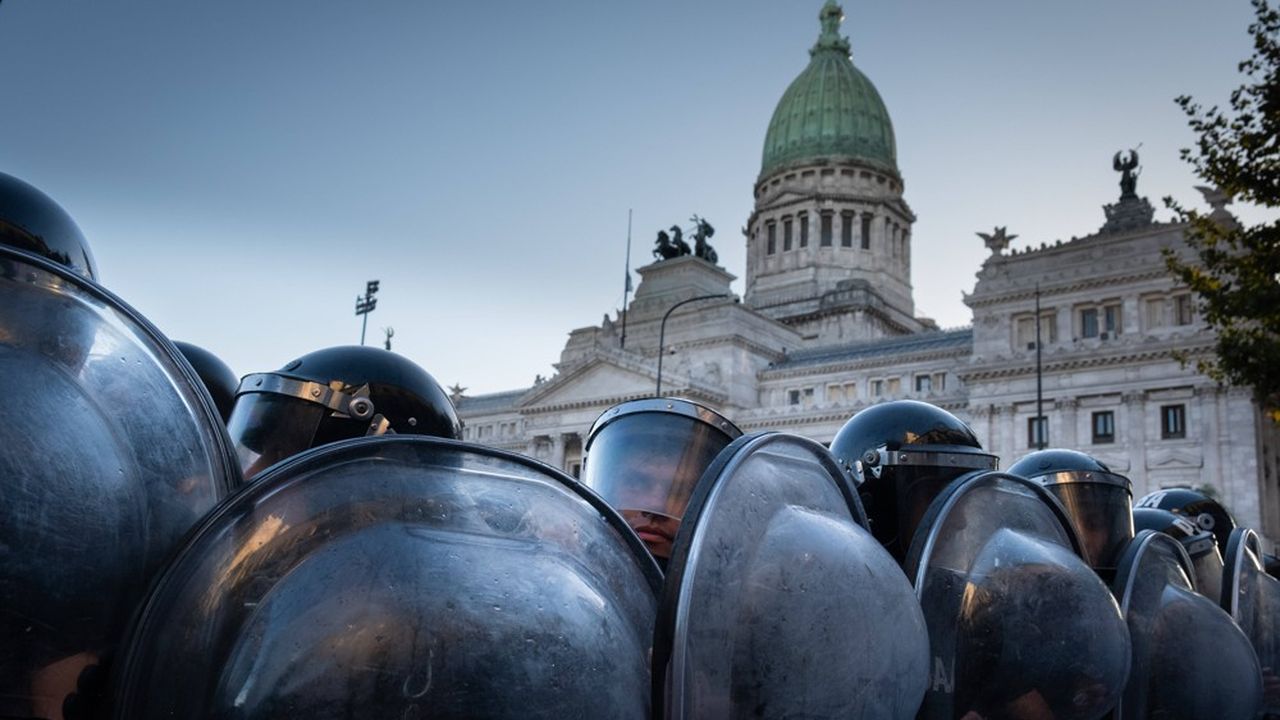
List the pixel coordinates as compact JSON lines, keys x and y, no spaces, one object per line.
{"x":1101,"y":513}
{"x":646,"y":465}
{"x":267,"y":428}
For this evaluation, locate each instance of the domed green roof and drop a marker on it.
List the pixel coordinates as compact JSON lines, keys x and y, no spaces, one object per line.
{"x":831,"y":110}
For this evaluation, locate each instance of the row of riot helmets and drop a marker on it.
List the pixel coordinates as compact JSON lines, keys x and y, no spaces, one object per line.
{"x":371,"y":570}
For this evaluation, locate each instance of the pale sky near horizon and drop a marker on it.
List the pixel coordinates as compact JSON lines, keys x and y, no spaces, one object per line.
{"x":242,"y":168}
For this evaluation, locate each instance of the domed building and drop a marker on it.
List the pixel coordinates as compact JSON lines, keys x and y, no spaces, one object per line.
{"x":829,"y":242}
{"x":827,"y":324}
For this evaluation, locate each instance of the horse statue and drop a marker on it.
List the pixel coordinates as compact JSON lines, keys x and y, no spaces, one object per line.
{"x":677,"y":239}
{"x":701,"y":234}
{"x":663,"y":248}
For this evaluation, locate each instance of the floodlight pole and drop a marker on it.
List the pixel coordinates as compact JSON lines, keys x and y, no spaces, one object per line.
{"x":365,"y":304}
{"x":662,"y":331}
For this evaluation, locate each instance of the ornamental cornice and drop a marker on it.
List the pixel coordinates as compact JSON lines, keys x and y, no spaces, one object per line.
{"x":792,"y":416}
{"x":867,"y":364}
{"x":1078,"y":362}
{"x":811,"y":198}
{"x":690,"y":391}
{"x":833,"y":310}
{"x":773,"y":354}
{"x":984,"y":299}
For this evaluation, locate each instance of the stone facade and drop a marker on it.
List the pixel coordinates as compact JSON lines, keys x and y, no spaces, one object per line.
{"x":827,"y":327}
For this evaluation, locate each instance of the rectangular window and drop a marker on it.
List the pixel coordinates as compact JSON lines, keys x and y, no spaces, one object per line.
{"x":808,"y":397}
{"x":1025,"y":331}
{"x":793,"y":397}
{"x":1153,"y":312}
{"x":851,"y":391}
{"x":1111,"y":319}
{"x":1173,"y":421}
{"x":835,"y":393}
{"x":940,"y":381}
{"x":866,"y":231}
{"x":786,"y":234}
{"x":1037,"y":432}
{"x":924,"y":383}
{"x":804,"y":229}
{"x":893,"y":386}
{"x":1104,"y":427}
{"x":772,"y":246}
{"x":846,"y":229}
{"x":825,"y":240}
{"x":877,"y":388}
{"x":1089,"y":323}
{"x":1182,"y":313}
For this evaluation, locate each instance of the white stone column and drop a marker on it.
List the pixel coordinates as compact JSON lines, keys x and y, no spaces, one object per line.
{"x":1210,"y":422}
{"x":1135,"y":440}
{"x":1068,"y":430}
{"x":557,"y":451}
{"x":1003,"y":419}
{"x":981,"y":416}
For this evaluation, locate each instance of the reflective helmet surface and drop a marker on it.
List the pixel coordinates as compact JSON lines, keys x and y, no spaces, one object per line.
{"x":1190,"y":659}
{"x":901,"y":454}
{"x":1252,"y":597}
{"x":644,"y":458}
{"x":1097,"y":499}
{"x":1197,"y":507}
{"x":1206,"y":560}
{"x":217,"y":377}
{"x":1019,"y":625}
{"x":335,"y":394}
{"x":32,"y":221}
{"x":399,"y":577}
{"x":109,"y":453}
{"x":778,"y":603}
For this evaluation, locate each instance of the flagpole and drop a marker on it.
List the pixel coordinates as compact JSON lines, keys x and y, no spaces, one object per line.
{"x":626,"y":287}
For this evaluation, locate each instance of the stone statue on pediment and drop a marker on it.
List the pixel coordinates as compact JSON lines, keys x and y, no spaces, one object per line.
{"x":701,"y":234}
{"x":997,"y":240}
{"x":1129,"y":170}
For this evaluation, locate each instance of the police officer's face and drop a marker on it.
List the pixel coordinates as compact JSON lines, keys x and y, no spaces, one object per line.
{"x":658,"y":531}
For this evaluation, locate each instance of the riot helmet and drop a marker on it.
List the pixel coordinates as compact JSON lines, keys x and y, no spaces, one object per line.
{"x":1096,"y":499}
{"x":331,"y":395}
{"x":33,"y":222}
{"x":1019,"y":625}
{"x":1252,"y":597}
{"x":1190,"y":659}
{"x":109,"y":453}
{"x":214,"y":374}
{"x":644,"y":457}
{"x":399,"y":577}
{"x":1206,"y":560}
{"x":902,"y":454}
{"x":1199,"y":508}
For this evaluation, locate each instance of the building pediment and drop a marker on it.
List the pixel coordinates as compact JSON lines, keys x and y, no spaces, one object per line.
{"x":599,"y":380}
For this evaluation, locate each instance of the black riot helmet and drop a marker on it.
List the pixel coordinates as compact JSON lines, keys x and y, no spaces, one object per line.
{"x":1097,"y":500}
{"x":1195,"y":506}
{"x":644,"y":457}
{"x":32,"y":221}
{"x":901,"y":454}
{"x":335,"y":394}
{"x":1206,"y":559}
{"x":216,"y":376}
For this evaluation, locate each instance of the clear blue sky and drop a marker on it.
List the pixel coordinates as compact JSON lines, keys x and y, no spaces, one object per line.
{"x":242,"y":167}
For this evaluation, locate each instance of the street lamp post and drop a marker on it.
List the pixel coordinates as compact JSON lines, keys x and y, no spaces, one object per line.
{"x":662,"y":331}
